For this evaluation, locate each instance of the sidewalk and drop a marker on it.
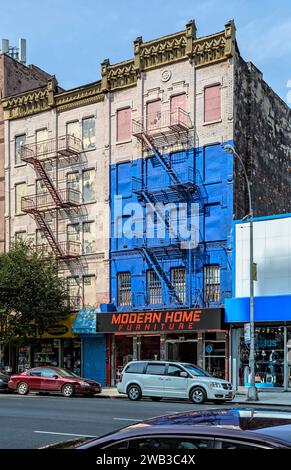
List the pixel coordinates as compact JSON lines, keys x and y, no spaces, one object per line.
{"x":265,"y":398}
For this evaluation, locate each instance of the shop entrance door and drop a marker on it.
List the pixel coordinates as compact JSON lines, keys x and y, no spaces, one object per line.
{"x":148,"y":347}
{"x":182,"y":350}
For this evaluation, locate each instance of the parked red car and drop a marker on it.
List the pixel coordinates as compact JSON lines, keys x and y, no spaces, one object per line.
{"x":52,"y":379}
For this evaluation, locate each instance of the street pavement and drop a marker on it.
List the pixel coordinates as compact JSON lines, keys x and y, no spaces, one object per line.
{"x":32,"y":421}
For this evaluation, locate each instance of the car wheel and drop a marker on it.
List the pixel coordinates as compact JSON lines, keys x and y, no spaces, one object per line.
{"x":156,"y":398}
{"x":134,"y":392}
{"x":68,"y":390}
{"x":22,"y":388}
{"x":198,"y":395}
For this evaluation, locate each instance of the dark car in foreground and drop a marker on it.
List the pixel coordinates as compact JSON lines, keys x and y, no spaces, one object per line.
{"x":4,"y":379}
{"x":228,"y":428}
{"x":54,"y":380}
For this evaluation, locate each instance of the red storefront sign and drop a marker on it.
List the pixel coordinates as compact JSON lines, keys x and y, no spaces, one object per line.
{"x":161,"y":320}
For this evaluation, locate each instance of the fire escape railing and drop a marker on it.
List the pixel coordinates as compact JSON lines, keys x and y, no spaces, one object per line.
{"x":156,"y":133}
{"x":53,"y":198}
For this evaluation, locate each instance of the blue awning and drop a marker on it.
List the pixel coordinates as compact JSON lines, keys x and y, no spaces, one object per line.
{"x":85,"y":323}
{"x":267,"y":309}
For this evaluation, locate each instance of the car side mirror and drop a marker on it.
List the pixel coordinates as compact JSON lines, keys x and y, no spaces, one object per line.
{"x":183,"y":374}
{"x":56,"y":376}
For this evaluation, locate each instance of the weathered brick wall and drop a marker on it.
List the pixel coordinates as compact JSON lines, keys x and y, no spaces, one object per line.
{"x":262,"y":135}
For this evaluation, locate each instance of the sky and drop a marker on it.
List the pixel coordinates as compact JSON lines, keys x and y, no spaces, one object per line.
{"x":70,"y":38}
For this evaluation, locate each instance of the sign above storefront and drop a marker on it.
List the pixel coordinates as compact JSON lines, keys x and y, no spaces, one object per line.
{"x":160,"y":321}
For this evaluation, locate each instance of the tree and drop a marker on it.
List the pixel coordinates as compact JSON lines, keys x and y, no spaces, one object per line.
{"x":32,"y":296}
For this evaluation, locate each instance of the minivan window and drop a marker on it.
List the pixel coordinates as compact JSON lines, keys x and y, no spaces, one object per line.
{"x":156,"y":369}
{"x":195,"y":370}
{"x":135,"y":368}
{"x":174,"y":371}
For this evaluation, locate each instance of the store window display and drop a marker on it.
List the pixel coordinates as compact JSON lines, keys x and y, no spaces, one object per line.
{"x":269,"y":358}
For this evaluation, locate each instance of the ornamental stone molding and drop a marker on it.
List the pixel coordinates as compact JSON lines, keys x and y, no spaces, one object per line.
{"x":149,"y":55}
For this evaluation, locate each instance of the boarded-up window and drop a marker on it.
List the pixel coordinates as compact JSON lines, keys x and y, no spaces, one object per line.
{"x":19,"y":142}
{"x":154,"y":116}
{"x":89,"y":186}
{"x":88,"y":133}
{"x":73,"y":128}
{"x":20,"y":191}
{"x":212,"y":103}
{"x":89,"y":291}
{"x":123,"y":124}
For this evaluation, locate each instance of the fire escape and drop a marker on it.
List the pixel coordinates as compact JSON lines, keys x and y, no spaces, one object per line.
{"x":162,"y":137}
{"x":52,"y":199}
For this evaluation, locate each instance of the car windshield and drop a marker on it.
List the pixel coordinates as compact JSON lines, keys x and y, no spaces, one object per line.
{"x":195,"y":370}
{"x":66,"y":373}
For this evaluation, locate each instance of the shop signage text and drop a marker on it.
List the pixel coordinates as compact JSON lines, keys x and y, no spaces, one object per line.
{"x":170,"y":320}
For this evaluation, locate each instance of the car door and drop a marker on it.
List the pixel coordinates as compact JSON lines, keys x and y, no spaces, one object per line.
{"x":153,"y":379}
{"x":50,"y":381}
{"x":33,"y":378}
{"x":175,"y":385}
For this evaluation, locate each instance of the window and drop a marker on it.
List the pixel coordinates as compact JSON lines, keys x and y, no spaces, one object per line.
{"x":221,"y":444}
{"x":73,"y":232}
{"x":156,"y":369}
{"x":178,"y":109}
{"x":73,"y":181}
{"x":175,"y":371}
{"x":212,"y":103}
{"x":89,"y":186}
{"x":136,"y":368}
{"x":41,"y":138}
{"x":154,"y":116}
{"x":20,"y":191}
{"x":154,"y":288}
{"x":19,"y":142}
{"x":73,"y":128}
{"x":48,"y":373}
{"x":73,"y":292}
{"x":178,"y":280}
{"x":123,"y":124}
{"x":211,"y":283}
{"x":124,"y":289}
{"x":35,"y":373}
{"x":89,"y":238}
{"x":20,"y":236}
{"x":89,"y":291}
{"x":88,"y":133}
{"x":172,"y":443}
{"x":41,"y":242}
{"x":41,"y":193}
{"x":213,"y":229}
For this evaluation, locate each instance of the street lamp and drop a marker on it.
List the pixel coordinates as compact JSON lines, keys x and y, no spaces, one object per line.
{"x":252,"y":390}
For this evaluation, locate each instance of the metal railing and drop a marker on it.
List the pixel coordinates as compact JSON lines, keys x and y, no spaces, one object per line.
{"x":161,"y":121}
{"x":67,"y":249}
{"x":63,"y":146}
{"x":43,"y":201}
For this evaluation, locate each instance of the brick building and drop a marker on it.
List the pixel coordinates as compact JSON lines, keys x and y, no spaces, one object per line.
{"x":151,"y":131}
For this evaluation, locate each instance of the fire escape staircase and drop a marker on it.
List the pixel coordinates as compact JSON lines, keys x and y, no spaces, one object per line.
{"x":60,"y":198}
{"x":192,"y":189}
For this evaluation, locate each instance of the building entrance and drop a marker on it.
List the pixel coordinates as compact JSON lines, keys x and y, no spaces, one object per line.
{"x":182,"y":350}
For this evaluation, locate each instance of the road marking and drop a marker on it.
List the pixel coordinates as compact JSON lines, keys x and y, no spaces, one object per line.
{"x":63,"y":434}
{"x":127,"y":419}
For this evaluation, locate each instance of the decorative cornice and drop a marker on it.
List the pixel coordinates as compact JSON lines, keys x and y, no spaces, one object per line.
{"x":81,"y":96}
{"x":147,"y":56}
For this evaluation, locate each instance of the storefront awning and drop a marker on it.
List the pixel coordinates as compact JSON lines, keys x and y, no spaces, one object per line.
{"x":267,"y":309}
{"x":85,"y":323}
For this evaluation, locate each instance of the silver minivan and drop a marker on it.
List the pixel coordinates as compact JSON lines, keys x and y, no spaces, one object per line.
{"x":170,"y":379}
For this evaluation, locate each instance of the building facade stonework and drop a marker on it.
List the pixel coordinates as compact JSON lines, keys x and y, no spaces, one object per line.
{"x":151,"y":131}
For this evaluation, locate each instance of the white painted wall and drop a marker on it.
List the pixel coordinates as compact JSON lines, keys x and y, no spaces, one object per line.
{"x":272,"y":253}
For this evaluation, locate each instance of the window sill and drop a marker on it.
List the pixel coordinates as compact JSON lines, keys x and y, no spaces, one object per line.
{"x":88,"y":150}
{"x":19,"y":165}
{"x":89,"y":202}
{"x":209,"y":123}
{"x":121,"y":142}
